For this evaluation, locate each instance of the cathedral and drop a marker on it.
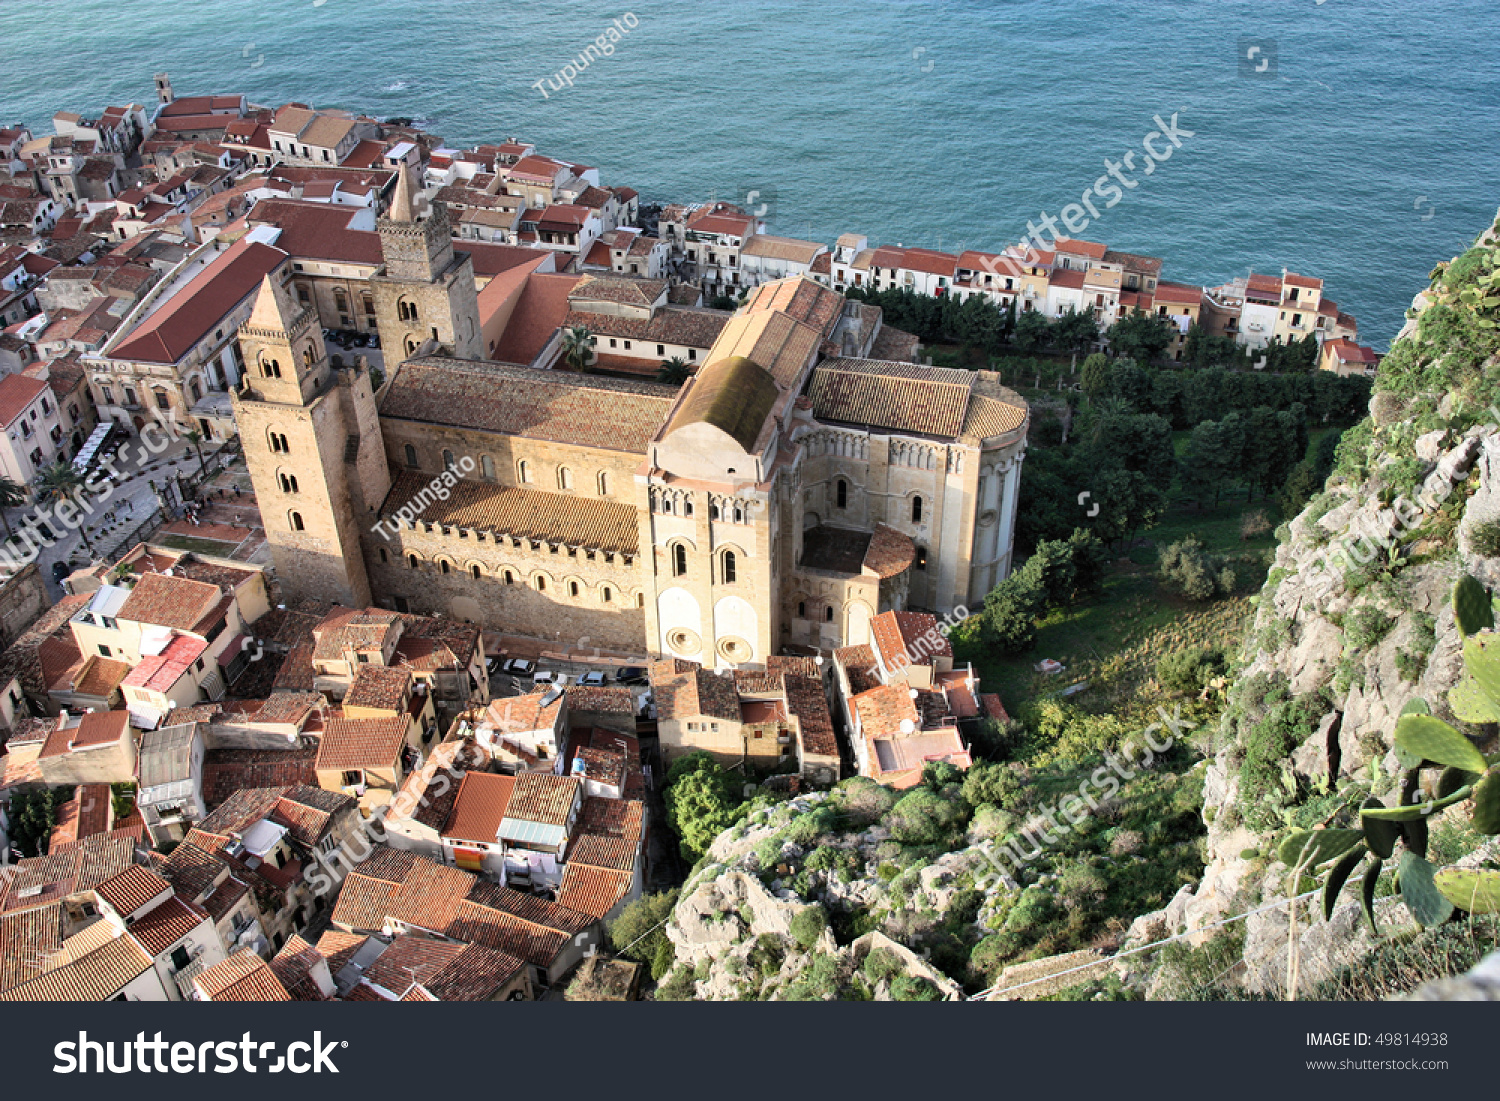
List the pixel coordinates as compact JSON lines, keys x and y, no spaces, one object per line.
{"x":789,"y":492}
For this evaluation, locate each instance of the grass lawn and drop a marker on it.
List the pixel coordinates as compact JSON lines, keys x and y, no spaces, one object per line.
{"x":191,"y":543}
{"x":1115,"y":642}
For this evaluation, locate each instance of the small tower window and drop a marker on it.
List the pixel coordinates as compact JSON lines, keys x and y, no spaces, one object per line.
{"x":801,"y":609}
{"x":541,"y":583}
{"x":564,"y":478}
{"x":640,"y":600}
{"x":729,"y":567}
{"x":572,"y":588}
{"x":841,"y":493}
{"x":448,"y":463}
{"x":606,"y":595}
{"x":411,"y":457}
{"x":443,"y":565}
{"x":603,"y":484}
{"x":271,"y":369}
{"x":916,"y":510}
{"x":381,"y":552}
{"x":411,"y":561}
{"x":679,"y":560}
{"x":288,"y":483}
{"x":510,"y":578}
{"x":921,"y":558}
{"x":297,"y":524}
{"x":828,"y":614}
{"x":475,"y":572}
{"x":487,"y":467}
{"x":523,"y":471}
{"x":713,"y":512}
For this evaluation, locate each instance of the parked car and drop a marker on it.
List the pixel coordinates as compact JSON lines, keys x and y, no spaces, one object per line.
{"x":549,"y":676}
{"x":60,"y":570}
{"x":631,"y":674}
{"x":593,"y":680}
{"x":519,"y":667}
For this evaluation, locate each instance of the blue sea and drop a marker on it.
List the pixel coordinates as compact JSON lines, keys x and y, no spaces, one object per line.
{"x":1357,"y":142}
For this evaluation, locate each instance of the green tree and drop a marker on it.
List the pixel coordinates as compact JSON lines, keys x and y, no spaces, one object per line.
{"x":1033,"y":332}
{"x":578,"y":348}
{"x":993,"y":783}
{"x":923,"y":817}
{"x":1142,"y":336}
{"x":1095,"y":376}
{"x":674,"y":371}
{"x":1187,"y":567}
{"x":1075,"y":330}
{"x":195,"y":437}
{"x":62,"y":482}
{"x":1008,"y":621}
{"x":1128,"y":502}
{"x":639,"y":933}
{"x":12,"y":495}
{"x":702,"y":802}
{"x":807,"y":926}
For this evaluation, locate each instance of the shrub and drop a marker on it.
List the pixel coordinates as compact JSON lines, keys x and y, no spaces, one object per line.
{"x":808,"y":925}
{"x":1253,"y":525}
{"x":1190,"y":670}
{"x":1187,"y":567}
{"x":702,"y":801}
{"x":989,"y":782}
{"x":882,"y":965}
{"x":1485,"y":539}
{"x":638,"y":932}
{"x":910,"y":988}
{"x":925,"y":818}
{"x":1365,"y":626}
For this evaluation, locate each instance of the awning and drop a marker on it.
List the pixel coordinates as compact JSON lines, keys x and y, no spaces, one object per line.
{"x":143,"y":717}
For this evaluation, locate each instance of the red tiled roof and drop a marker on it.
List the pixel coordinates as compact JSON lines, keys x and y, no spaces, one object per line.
{"x":132,"y":889}
{"x":94,"y":729}
{"x":318,"y":231}
{"x":361,"y":743}
{"x":17,"y":392}
{"x":194,"y":311}
{"x":1075,"y":247}
{"x":162,"y":928}
{"x":480,"y":807}
{"x":593,"y":891}
{"x":174,"y":602}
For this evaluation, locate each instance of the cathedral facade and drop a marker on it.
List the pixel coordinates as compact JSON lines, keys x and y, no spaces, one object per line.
{"x":786,"y":494}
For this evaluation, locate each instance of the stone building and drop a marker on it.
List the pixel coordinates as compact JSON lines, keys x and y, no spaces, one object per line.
{"x":787,"y":494}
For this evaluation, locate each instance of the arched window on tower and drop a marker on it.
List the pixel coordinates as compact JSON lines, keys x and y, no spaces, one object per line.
{"x":296,"y":520}
{"x":828,"y":614}
{"x":729,"y":567}
{"x":841,"y":493}
{"x":411,"y":457}
{"x":487,"y":467}
{"x":271,"y":369}
{"x":916,"y":510}
{"x":448,"y":463}
{"x":603,"y":484}
{"x":679,"y":560}
{"x":564,"y":478}
{"x":288,"y":483}
{"x":523,"y":471}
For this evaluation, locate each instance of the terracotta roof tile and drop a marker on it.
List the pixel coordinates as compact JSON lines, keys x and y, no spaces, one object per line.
{"x":622,"y":818}
{"x":361,"y":743}
{"x":601,"y":851}
{"x":164,"y":601}
{"x":543,"y":798}
{"x":243,"y":977}
{"x":525,"y":514}
{"x":161,"y":929}
{"x":593,"y":891}
{"x":132,"y":889}
{"x":378,"y":686}
{"x":582,"y":410}
{"x":480,"y":807}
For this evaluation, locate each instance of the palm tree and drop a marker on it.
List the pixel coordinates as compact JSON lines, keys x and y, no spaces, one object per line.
{"x":195,"y":437}
{"x":59,"y":482}
{"x":674,"y":371}
{"x":12,"y":493}
{"x":578,"y":348}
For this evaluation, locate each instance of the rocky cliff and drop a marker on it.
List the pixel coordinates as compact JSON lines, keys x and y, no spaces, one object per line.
{"x":1355,"y":620}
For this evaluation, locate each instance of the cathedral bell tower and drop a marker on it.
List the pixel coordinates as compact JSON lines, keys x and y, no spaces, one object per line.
{"x":311,"y":437}
{"x":424,"y":290}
